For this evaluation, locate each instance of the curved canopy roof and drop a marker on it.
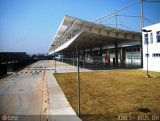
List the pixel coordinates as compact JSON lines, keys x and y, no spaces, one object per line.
{"x":85,"y":34}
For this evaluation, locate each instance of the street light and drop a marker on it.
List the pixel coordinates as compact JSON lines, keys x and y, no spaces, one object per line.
{"x":54,"y":58}
{"x":144,"y":30}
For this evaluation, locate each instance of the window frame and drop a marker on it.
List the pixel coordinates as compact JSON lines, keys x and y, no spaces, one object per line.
{"x":158,"y":36}
{"x":151,"y":38}
{"x":146,"y":38}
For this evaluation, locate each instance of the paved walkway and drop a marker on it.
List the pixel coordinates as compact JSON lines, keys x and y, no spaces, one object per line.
{"x":23,"y":95}
{"x":35,"y":91}
{"x":60,"y":109}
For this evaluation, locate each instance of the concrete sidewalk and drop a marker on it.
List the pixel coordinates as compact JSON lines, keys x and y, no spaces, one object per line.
{"x":60,"y":109}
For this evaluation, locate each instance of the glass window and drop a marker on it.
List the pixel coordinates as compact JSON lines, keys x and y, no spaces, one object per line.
{"x":156,"y":54}
{"x":147,"y":55}
{"x":138,"y":49}
{"x":145,"y":38}
{"x":151,"y":38}
{"x":158,"y":36}
{"x":134,"y":49}
{"x":129,"y":50}
{"x":112,"y":51}
{"x":153,"y":55}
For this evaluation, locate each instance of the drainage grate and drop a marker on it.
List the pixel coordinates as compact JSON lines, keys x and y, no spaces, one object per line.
{"x":21,"y":90}
{"x":144,"y":110}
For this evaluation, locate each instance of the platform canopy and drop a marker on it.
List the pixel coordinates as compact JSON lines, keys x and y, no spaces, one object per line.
{"x":85,"y":35}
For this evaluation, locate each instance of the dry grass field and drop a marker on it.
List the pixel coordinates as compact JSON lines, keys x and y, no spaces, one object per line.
{"x":113,"y":95}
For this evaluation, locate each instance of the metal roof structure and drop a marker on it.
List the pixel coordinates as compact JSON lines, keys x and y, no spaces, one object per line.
{"x":85,"y":34}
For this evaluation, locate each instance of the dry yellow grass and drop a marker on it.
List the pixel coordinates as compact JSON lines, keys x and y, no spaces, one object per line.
{"x":113,"y":95}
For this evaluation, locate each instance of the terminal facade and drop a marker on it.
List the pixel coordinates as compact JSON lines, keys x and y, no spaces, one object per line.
{"x":151,"y":42}
{"x":99,"y":44}
{"x":128,"y":54}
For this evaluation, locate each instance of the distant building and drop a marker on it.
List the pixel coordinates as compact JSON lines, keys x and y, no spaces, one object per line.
{"x":7,"y":59}
{"x":152,"y":40}
{"x":10,"y":57}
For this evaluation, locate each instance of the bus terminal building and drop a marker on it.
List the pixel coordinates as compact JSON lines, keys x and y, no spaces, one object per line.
{"x":98,"y":43}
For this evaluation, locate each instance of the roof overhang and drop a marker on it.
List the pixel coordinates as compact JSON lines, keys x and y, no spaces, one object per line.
{"x":85,"y":34}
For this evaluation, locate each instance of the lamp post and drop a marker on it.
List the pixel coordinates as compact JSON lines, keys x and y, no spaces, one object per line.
{"x":54,"y":58}
{"x":144,"y":30}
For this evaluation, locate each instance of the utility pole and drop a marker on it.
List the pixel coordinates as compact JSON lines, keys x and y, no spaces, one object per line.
{"x":115,"y":19}
{"x":142,"y":25}
{"x":78,"y":80}
{"x":54,"y":58}
{"x":142,"y":16}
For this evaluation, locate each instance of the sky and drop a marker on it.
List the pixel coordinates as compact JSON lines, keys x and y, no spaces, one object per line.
{"x":30,"y":25}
